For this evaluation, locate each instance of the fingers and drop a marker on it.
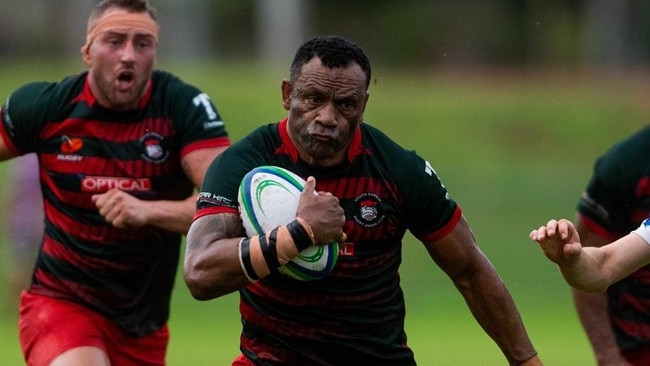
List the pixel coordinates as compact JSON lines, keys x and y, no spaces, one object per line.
{"x":310,"y":186}
{"x":553,"y":229}
{"x":120,"y":209}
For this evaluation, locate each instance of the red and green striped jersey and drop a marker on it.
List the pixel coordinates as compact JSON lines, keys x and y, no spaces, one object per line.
{"x":356,"y":313}
{"x":84,"y":149}
{"x":616,"y":201}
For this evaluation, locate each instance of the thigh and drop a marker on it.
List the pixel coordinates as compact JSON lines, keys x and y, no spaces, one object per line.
{"x":49,"y":327}
{"x":149,"y":350}
{"x":82,"y":356}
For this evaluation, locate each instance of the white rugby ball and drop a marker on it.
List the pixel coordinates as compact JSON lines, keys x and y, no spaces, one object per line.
{"x":268,"y":198}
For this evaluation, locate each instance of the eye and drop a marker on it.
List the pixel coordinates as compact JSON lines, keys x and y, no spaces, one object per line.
{"x":347,"y":105}
{"x":314,"y":99}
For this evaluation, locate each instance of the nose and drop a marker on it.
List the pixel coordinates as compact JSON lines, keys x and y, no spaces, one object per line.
{"x":128,"y":52}
{"x":327,"y":115}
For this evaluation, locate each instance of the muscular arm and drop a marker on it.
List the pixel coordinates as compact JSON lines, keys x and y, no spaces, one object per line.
{"x":484,"y":292}
{"x":124,"y":210}
{"x":212,"y":266}
{"x":592,"y":311}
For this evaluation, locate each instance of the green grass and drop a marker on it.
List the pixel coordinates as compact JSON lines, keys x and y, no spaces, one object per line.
{"x":514,"y":151}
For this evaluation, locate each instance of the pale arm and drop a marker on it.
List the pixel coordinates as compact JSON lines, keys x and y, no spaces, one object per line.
{"x":590,"y":269}
{"x":484,"y":292}
{"x":124,"y":210}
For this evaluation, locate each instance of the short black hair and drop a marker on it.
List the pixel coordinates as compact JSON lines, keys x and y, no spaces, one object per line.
{"x":333,"y":51}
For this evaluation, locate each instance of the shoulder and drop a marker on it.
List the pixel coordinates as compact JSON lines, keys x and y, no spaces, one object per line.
{"x":44,"y":95}
{"x":166,"y":82}
{"x":263,"y":140}
{"x":617,"y":157}
{"x":404,"y":162}
{"x":636,"y":143}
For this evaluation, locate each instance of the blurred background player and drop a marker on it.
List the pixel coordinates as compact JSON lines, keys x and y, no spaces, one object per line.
{"x":122,"y":148}
{"x":615,"y":202}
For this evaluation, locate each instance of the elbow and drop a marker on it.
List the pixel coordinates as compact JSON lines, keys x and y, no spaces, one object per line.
{"x":198,"y":283}
{"x":198,"y":287}
{"x":197,"y":291}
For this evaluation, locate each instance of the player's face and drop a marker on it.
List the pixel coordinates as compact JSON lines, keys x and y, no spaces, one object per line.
{"x":121,"y":62}
{"x":325,"y":108}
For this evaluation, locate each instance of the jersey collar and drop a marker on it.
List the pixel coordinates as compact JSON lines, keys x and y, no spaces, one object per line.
{"x":288,"y":147}
{"x":92,"y":100}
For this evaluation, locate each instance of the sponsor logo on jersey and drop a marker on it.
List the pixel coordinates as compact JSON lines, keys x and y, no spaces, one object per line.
{"x":368,"y":214}
{"x":212,"y":124}
{"x":153,"y":150}
{"x":69,"y":147}
{"x":207,"y":198}
{"x":97,"y":184}
{"x":346,"y":249}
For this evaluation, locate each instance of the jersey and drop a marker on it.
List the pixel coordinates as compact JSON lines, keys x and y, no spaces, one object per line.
{"x":83,"y":148}
{"x":356,"y":313}
{"x":616,"y":201}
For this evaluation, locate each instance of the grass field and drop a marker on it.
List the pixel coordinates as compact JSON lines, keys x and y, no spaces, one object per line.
{"x":513,"y":148}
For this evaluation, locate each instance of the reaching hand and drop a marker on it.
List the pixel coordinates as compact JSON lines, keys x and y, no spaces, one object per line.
{"x":559,"y":240}
{"x":321,"y":210}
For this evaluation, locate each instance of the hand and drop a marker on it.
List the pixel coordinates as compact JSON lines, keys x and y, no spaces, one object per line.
{"x":321,"y":210}
{"x":559,"y":240}
{"x":121,"y":209}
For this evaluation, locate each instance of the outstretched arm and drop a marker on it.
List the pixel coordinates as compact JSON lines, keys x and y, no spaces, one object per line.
{"x":484,"y":292}
{"x":590,"y":268}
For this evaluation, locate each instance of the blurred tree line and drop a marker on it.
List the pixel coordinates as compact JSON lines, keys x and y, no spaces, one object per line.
{"x":613,"y":33}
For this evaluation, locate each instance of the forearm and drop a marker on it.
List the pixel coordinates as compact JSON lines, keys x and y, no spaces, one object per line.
{"x":587,"y":272}
{"x":175,"y":216}
{"x":492,"y":306}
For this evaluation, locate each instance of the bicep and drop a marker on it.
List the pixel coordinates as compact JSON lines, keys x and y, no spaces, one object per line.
{"x":457,"y":254}
{"x":211,"y":266}
{"x":195,"y":163}
{"x":211,"y":228}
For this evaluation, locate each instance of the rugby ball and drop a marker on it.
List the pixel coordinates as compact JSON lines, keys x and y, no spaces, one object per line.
{"x":268,"y":197}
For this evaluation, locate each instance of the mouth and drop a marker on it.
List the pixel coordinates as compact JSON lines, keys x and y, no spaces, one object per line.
{"x":125,"y":79}
{"x":322,"y":137}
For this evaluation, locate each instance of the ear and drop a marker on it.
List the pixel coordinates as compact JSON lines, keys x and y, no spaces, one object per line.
{"x":85,"y":55}
{"x":286,"y":94}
